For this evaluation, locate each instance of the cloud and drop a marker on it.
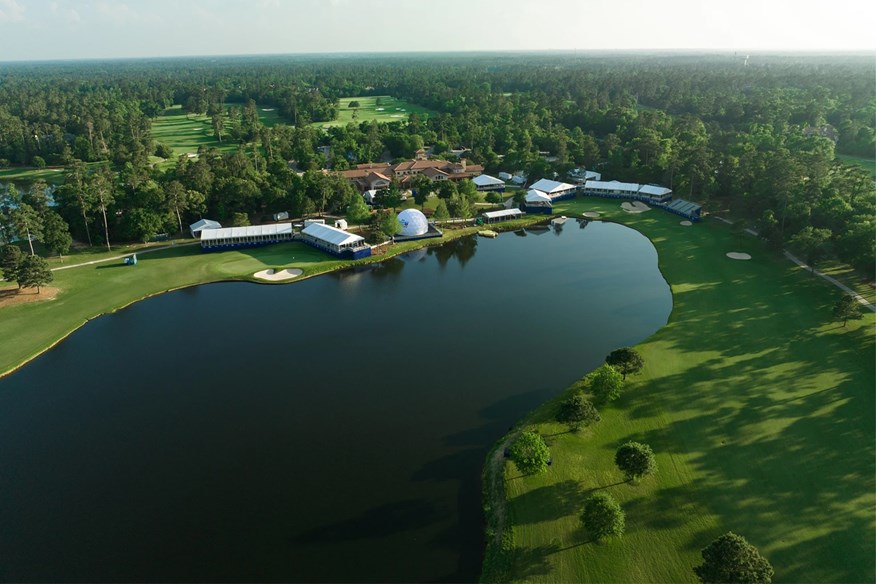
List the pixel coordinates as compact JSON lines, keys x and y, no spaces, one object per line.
{"x":11,"y":11}
{"x":71,"y":15}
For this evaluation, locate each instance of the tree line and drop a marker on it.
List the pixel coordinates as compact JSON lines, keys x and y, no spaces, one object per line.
{"x":758,"y":139}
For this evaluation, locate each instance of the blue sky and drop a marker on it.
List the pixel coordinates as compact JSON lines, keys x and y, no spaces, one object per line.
{"x":71,"y":29}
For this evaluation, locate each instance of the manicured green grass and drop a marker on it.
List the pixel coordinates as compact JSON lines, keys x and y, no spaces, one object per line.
{"x":389,"y":110}
{"x":30,"y":174}
{"x":760,"y":408}
{"x":867,"y":164}
{"x":186,"y":133}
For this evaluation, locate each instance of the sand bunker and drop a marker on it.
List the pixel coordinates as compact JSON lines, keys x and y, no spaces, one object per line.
{"x":736,"y":255}
{"x":635,"y":207}
{"x":267,"y":109}
{"x":591,"y":214}
{"x":274,"y":276}
{"x":686,"y":223}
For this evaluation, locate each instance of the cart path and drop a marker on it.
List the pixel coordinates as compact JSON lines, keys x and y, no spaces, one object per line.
{"x":119,"y":257}
{"x":861,"y":300}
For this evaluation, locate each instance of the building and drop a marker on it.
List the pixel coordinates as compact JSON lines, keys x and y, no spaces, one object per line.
{"x":686,"y":209}
{"x":537,"y":202}
{"x":486,"y":182}
{"x":415,"y":226}
{"x":198,"y":226}
{"x":413,"y":222}
{"x":335,"y":241}
{"x":503,"y":215}
{"x":655,"y":194}
{"x":557,"y":191}
{"x":376,"y":176}
{"x":243,"y":237}
{"x":506,"y":176}
{"x":612,"y":189}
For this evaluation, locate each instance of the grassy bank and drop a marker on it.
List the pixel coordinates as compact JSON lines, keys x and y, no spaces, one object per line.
{"x":867,"y":164}
{"x":760,"y":408}
{"x":26,"y":330}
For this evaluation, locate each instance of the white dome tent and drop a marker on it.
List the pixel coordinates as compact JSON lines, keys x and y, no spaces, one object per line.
{"x":413,"y":223}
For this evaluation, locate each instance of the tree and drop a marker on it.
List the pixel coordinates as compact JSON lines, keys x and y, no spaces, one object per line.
{"x":603,"y":516}
{"x":56,"y":233}
{"x":388,"y":223}
{"x":577,"y":411}
{"x":357,"y":210}
{"x":529,"y":453}
{"x":606,"y":383}
{"x":422,"y":187}
{"x":635,"y":460}
{"x":845,"y":308}
{"x":240,"y":220}
{"x":10,"y":262}
{"x":459,"y":206}
{"x":813,"y":243}
{"x":34,"y":273}
{"x":179,"y":199}
{"x":28,"y":224}
{"x":731,"y":559}
{"x":354,"y":104}
{"x":163,"y":150}
{"x":101,"y":186}
{"x":391,"y":197}
{"x":626,"y":360}
{"x":441,"y":213}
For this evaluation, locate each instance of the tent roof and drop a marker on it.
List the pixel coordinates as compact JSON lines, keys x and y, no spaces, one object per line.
{"x":551,"y":186}
{"x":614,"y":185}
{"x":485,"y":180}
{"x":331,"y":234}
{"x":204,"y":224}
{"x":251,"y":230}
{"x":503,"y":213}
{"x":655,"y":190}
{"x":536,"y":196}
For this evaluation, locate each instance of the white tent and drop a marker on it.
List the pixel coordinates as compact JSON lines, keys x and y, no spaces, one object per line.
{"x":198,"y":226}
{"x":487,"y":181}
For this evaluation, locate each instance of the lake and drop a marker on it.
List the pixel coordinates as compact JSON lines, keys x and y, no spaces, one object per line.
{"x":329,"y":430}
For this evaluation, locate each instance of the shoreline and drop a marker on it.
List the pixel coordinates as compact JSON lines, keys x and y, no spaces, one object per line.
{"x":454,"y":234}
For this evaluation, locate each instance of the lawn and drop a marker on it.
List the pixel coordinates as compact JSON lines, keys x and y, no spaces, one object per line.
{"x":390,"y":109}
{"x":867,"y":164}
{"x":760,"y":408}
{"x":186,"y":133}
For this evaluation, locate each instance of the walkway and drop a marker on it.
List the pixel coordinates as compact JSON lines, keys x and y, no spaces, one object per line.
{"x":119,"y":257}
{"x":861,"y":300}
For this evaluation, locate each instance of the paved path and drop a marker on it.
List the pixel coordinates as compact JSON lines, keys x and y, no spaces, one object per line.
{"x":861,"y":300}
{"x":119,"y":257}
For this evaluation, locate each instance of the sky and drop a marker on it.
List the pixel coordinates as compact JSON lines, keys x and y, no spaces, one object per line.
{"x":80,"y":29}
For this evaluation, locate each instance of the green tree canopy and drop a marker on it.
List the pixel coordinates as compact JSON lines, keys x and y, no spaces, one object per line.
{"x":635,"y":460}
{"x":441,"y":212}
{"x":56,"y":233}
{"x":576,"y":411}
{"x":845,"y":308}
{"x":603,"y":516}
{"x":34,"y":272}
{"x":606,"y":383}
{"x":626,"y":360}
{"x":731,"y":559}
{"x":357,"y":210}
{"x":529,"y":453}
{"x":10,"y":262}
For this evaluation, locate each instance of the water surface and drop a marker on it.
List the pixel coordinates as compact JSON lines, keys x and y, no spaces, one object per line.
{"x":329,"y":430}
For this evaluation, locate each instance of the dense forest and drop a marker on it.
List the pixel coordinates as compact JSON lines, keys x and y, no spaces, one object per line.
{"x":754,"y":137}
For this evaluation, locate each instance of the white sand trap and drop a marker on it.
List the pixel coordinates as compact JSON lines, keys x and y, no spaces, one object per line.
{"x":272,"y":276}
{"x":267,"y":109}
{"x":592,"y":214}
{"x":635,"y":207}
{"x":736,"y":255}
{"x":686,"y":223}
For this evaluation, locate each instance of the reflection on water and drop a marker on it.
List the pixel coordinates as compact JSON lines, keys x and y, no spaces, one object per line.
{"x":333,"y":429}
